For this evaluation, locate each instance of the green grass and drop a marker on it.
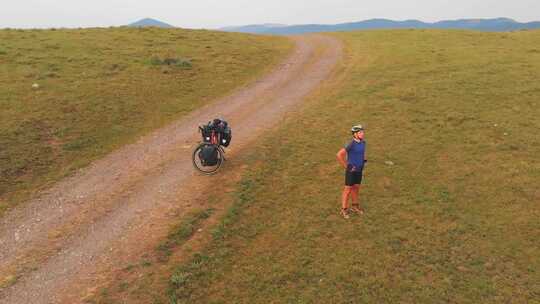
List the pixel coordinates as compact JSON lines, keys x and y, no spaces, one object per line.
{"x":182,"y":232}
{"x":102,"y":88}
{"x":146,"y":280}
{"x":454,"y":220}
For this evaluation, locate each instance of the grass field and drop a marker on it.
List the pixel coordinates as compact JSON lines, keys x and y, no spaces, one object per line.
{"x":455,"y":219}
{"x":68,"y":97}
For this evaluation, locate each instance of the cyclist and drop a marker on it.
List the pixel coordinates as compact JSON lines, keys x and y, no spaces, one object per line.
{"x":355,"y":153}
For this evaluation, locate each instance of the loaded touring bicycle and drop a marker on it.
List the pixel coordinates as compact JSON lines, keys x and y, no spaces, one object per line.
{"x":209,"y":154}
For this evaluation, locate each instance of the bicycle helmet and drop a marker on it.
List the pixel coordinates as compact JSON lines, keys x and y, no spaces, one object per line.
{"x":357,"y":128}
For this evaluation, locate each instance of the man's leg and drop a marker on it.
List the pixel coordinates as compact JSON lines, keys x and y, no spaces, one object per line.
{"x":345,"y":201}
{"x":354,"y":194}
{"x":347,"y":190}
{"x":355,"y":200}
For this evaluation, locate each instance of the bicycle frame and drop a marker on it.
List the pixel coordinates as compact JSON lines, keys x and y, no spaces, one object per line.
{"x":214,"y":140}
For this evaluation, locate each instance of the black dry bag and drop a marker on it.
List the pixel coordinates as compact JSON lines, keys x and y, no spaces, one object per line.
{"x":209,"y":155}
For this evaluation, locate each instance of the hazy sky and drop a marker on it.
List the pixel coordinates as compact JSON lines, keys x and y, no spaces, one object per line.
{"x":218,"y":13}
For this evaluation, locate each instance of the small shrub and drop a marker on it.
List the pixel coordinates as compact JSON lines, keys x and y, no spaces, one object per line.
{"x":184,"y":63}
{"x":155,"y":61}
{"x":8,"y":281}
{"x":51,"y":75}
{"x":176,"y":62}
{"x":179,"y":279}
{"x":218,"y":233}
{"x":124,"y":286}
{"x":79,"y":144}
{"x":146,"y":263}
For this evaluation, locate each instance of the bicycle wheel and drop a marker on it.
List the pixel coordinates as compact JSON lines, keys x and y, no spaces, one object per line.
{"x":198,"y":162}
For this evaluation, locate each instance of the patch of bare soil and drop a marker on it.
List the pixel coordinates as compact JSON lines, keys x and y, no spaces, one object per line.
{"x":55,"y":248}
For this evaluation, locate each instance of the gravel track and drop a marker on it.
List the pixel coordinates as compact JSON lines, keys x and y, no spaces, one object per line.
{"x":54,"y":246}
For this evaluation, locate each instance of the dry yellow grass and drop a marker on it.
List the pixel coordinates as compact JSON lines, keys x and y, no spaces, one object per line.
{"x":454,"y":220}
{"x":98,"y":89}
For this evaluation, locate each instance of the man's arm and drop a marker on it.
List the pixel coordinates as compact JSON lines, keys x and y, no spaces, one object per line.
{"x":341,"y":157}
{"x":365,"y":158}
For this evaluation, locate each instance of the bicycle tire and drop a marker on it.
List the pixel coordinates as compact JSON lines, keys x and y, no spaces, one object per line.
{"x":212,"y":169}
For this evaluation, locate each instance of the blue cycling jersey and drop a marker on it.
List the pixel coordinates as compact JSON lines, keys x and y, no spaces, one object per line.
{"x":356,"y":151}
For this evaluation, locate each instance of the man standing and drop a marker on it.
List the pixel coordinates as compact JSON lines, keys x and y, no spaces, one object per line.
{"x":355,"y":154}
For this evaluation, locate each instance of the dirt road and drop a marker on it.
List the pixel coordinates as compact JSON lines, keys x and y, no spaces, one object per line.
{"x":53,"y":247}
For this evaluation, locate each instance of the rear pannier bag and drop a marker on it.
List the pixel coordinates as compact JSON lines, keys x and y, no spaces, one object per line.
{"x":209,"y":155}
{"x":226,"y":137}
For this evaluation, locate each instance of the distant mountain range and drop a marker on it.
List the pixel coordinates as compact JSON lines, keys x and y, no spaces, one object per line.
{"x":498,"y":24}
{"x":147,"y":22}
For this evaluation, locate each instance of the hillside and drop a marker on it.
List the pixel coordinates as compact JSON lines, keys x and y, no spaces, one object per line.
{"x":149,"y":22}
{"x":455,"y":219}
{"x":450,"y":189}
{"x":72,"y":96}
{"x":498,"y":24}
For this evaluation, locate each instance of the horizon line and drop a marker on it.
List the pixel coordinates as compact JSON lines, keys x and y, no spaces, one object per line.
{"x":263,"y":23}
